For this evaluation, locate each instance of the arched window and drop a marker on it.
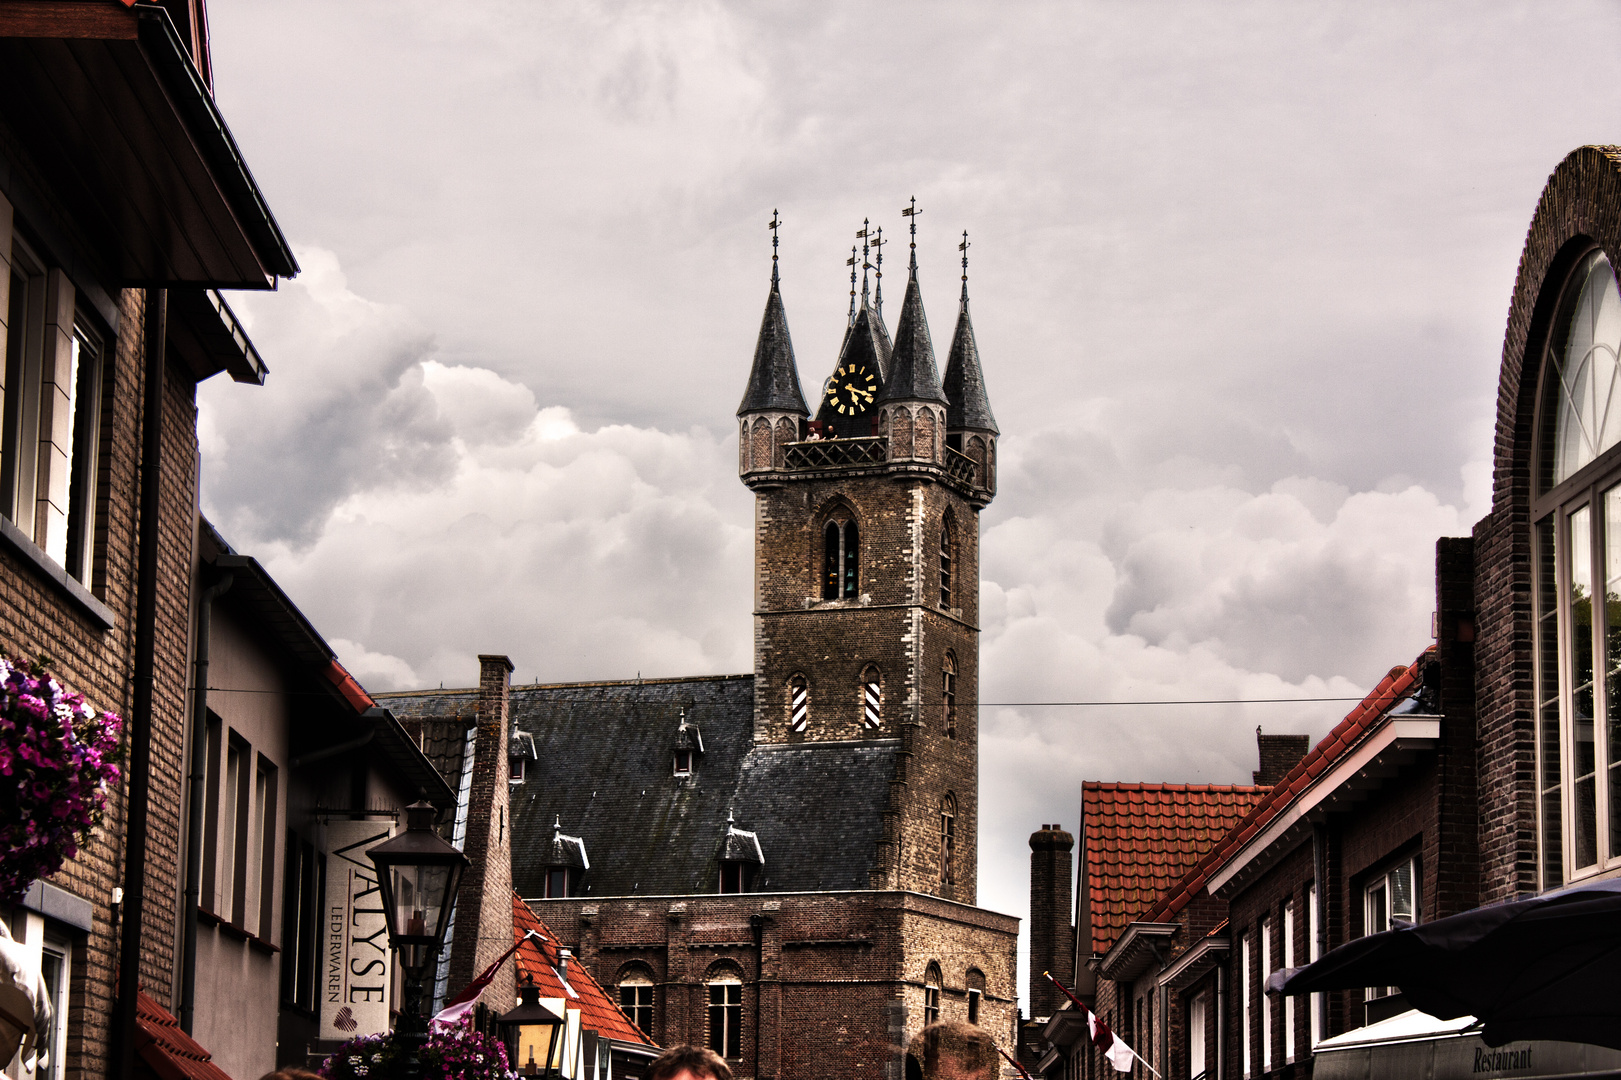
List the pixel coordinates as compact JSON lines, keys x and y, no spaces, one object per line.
{"x":841,"y":556}
{"x":798,"y":703}
{"x":726,"y":1014}
{"x":931,"y":994}
{"x":945,"y":561}
{"x":948,"y":841}
{"x":1577,"y":558}
{"x":871,"y":698}
{"x":636,"y":998}
{"x":948,"y":694}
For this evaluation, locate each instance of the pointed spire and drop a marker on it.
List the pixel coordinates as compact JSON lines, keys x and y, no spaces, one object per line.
{"x":912,"y":374}
{"x":852,"y":265}
{"x":878,"y":273}
{"x":866,"y":262}
{"x":964,"y":384}
{"x":774,"y":379}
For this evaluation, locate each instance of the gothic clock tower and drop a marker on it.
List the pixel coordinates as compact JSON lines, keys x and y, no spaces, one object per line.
{"x":866,"y":568}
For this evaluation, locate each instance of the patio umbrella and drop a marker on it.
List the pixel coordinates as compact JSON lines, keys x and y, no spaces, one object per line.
{"x":1548,"y":967}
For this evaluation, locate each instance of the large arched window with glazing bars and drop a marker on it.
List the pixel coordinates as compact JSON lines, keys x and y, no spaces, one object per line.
{"x":841,"y":558}
{"x":1576,"y":514}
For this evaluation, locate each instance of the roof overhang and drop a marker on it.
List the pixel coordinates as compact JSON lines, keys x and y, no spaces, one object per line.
{"x":1193,"y":964}
{"x":205,"y":333}
{"x":1382,"y":754}
{"x":1139,"y":948}
{"x":1065,"y":1028}
{"x":116,"y":118}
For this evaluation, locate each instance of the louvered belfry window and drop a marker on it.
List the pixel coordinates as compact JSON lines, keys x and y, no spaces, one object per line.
{"x":841,"y":556}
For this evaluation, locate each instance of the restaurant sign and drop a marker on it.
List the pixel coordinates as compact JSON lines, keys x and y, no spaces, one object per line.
{"x":356,"y":964}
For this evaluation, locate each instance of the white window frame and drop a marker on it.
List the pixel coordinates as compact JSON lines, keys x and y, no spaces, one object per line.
{"x":1198,"y":1009}
{"x":1266,"y":1006}
{"x":1312,"y":953}
{"x":1288,"y":962}
{"x":1245,"y":1008}
{"x":1380,"y":911}
{"x":731,"y":1013}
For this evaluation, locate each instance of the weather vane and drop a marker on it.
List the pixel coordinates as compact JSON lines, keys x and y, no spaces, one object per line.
{"x":878,"y":271}
{"x":851,"y":263}
{"x":862,"y":235}
{"x":912,"y":212}
{"x":963,"y":247}
{"x":776,"y":222}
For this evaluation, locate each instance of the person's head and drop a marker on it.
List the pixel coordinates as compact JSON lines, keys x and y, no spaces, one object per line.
{"x":689,"y":1063}
{"x":292,"y":1074}
{"x":953,"y":1050}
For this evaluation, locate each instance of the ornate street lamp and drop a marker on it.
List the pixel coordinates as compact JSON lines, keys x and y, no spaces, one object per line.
{"x":418,"y":873}
{"x":536,"y":1032}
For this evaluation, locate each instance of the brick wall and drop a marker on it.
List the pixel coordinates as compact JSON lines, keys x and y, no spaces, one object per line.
{"x":1052,"y":937}
{"x":1278,"y":754}
{"x":819,"y":971}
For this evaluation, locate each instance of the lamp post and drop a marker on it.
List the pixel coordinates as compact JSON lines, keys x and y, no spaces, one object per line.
{"x":418,"y":873}
{"x":535,"y":1033}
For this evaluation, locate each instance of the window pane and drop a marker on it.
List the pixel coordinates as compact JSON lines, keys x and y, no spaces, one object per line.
{"x":1585,"y":363}
{"x":852,"y":549}
{"x":1401,"y":893}
{"x":1378,"y":918}
{"x":1583,"y":787}
{"x":1612,"y":659}
{"x":1548,"y":740}
{"x":830,"y":561}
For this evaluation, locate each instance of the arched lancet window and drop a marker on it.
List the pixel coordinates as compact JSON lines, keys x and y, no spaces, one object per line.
{"x":1577,"y":558}
{"x":948,"y":841}
{"x":931,"y":994}
{"x":841,"y":559}
{"x":871,"y":697}
{"x":946,"y":546}
{"x":948,"y":694}
{"x":798,"y":703}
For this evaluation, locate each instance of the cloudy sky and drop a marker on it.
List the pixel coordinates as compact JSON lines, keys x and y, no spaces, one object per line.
{"x":1240,"y":275}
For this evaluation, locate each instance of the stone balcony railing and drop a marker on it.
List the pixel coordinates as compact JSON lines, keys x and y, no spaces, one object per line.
{"x":960,"y":466}
{"x":836,"y":453}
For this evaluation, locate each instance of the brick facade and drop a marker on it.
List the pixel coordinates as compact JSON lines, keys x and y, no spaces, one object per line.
{"x":1052,"y":936}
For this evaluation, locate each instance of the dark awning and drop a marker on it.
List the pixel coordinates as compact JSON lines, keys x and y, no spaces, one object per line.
{"x":1414,"y":1044}
{"x":112,"y":112}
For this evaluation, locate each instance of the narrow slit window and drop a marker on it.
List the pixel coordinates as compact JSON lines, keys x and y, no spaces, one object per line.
{"x":871,"y":699}
{"x":948,"y":694}
{"x":798,"y":703}
{"x":945,"y":565}
{"x":948,"y":841}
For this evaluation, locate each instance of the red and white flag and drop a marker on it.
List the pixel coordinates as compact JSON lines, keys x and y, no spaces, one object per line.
{"x":462,"y":1004}
{"x":1111,"y":1046}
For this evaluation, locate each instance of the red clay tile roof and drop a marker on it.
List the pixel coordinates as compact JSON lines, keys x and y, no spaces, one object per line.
{"x":1141,"y":838}
{"x":168,"y":1051}
{"x":598,"y":1011}
{"x":1393,"y":688}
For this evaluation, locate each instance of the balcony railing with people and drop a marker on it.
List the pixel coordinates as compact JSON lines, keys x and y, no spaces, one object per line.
{"x":836,"y":453}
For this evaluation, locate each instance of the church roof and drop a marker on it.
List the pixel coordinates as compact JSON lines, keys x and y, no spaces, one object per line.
{"x":912,"y":374}
{"x":606,"y":774}
{"x":774,"y":379}
{"x":964,"y":383}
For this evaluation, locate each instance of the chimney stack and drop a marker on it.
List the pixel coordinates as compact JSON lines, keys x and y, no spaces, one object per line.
{"x":1052,"y":936}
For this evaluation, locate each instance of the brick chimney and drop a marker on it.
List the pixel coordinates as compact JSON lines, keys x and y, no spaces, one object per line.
{"x":484,"y":902}
{"x":1052,"y":937}
{"x":1279,"y":754}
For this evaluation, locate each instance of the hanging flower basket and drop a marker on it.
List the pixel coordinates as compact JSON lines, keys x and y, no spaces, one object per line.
{"x":454,"y":1052}
{"x":58,"y":757}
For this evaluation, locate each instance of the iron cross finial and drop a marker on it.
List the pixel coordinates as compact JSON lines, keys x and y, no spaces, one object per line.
{"x":963,"y":247}
{"x":912,"y":212}
{"x":775,"y":223}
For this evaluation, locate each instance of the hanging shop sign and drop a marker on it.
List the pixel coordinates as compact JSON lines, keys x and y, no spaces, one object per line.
{"x":356,"y":965}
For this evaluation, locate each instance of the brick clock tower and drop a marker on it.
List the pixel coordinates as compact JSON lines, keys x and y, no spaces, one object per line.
{"x":866,"y":567}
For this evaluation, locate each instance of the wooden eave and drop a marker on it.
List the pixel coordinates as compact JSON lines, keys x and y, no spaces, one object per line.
{"x":120,"y":124}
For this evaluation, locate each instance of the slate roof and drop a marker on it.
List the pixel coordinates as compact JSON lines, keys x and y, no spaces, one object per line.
{"x":774,"y":379}
{"x":606,"y":774}
{"x":1396,"y":686}
{"x":1141,"y":838}
{"x":166,"y":1049}
{"x":866,"y":344}
{"x":912,"y":374}
{"x":538,"y":962}
{"x":964,"y":385}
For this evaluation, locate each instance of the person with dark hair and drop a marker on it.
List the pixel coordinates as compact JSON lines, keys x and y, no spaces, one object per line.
{"x":952,"y":1050}
{"x":688,"y":1063}
{"x":292,"y":1074}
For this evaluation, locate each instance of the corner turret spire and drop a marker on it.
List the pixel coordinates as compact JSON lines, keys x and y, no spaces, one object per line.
{"x":912,"y":375}
{"x":774,"y":379}
{"x":964,"y":384}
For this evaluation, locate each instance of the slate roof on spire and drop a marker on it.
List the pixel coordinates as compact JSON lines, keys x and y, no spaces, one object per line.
{"x":774,"y":379}
{"x":866,"y":344}
{"x":912,"y":374}
{"x":964,"y":385}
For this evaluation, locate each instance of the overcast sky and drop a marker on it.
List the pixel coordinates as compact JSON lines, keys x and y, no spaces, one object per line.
{"x":1240,"y":274}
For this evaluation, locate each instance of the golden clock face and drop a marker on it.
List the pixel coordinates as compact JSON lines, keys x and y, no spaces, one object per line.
{"x":852,"y":389}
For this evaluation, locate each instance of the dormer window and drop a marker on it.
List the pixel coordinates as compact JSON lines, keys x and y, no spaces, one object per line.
{"x":566,"y":864}
{"x":689,"y":743}
{"x":521,"y":757}
{"x":740,"y":859}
